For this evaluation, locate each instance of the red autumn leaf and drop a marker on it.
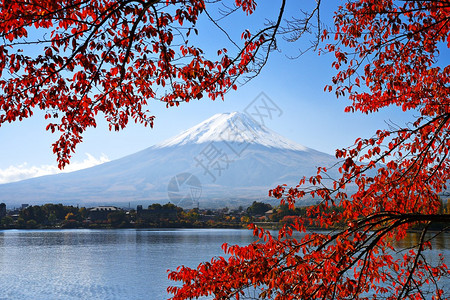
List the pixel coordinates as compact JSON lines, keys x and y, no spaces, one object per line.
{"x":112,"y":57}
{"x":394,"y":46}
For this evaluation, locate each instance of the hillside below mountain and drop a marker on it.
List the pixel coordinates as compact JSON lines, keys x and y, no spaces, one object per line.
{"x":227,"y":160}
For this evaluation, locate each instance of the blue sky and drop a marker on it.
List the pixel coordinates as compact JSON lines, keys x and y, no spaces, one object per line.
{"x":310,"y":116}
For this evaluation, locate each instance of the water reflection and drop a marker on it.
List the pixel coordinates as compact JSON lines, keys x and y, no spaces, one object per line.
{"x":114,"y":264}
{"x":439,"y":241}
{"x":102,"y":264}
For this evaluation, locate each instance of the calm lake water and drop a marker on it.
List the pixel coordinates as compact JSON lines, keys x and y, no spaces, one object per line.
{"x":109,"y":264}
{"x":102,"y":264}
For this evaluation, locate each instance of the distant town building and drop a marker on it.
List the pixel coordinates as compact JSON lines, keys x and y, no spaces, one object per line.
{"x":100,"y":213}
{"x":25,"y":206}
{"x":2,"y":210}
{"x":268,"y":214}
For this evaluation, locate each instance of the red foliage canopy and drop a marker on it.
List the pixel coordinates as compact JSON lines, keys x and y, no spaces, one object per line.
{"x":387,"y":53}
{"x":75,"y":59}
{"x":109,"y":57}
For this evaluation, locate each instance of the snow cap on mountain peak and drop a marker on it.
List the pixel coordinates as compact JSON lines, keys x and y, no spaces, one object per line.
{"x":231,"y":127}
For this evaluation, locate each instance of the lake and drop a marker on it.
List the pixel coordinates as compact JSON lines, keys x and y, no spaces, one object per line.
{"x":103,"y":264}
{"x":109,"y":264}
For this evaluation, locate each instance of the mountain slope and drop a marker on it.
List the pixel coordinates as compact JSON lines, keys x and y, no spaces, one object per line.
{"x":231,"y":127}
{"x":233,"y":160}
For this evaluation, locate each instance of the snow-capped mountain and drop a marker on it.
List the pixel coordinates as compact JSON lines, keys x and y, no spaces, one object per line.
{"x":234,"y":127}
{"x":227,"y":160}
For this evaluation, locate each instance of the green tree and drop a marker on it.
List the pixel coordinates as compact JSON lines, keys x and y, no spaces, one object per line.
{"x":192,"y":215}
{"x":7,"y":221}
{"x":83,"y":212}
{"x":39,"y":214}
{"x":117,"y":218}
{"x":52,"y":219}
{"x":258,"y":208}
{"x":31,"y":224}
{"x":21,"y":222}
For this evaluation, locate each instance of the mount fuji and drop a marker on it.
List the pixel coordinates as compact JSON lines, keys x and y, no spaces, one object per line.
{"x":227,"y":160}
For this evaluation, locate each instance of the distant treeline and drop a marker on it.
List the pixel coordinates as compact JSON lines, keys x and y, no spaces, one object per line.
{"x":154,"y":216}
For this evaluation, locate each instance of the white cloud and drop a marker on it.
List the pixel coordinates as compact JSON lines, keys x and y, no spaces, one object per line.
{"x":24,"y":171}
